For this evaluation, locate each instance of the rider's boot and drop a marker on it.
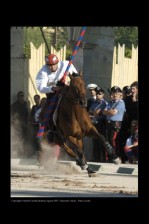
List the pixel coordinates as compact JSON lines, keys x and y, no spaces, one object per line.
{"x":50,"y":136}
{"x":50,"y":132}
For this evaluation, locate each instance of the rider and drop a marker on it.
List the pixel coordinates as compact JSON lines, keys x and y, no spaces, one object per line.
{"x":51,"y":73}
{"x":49,"y":76}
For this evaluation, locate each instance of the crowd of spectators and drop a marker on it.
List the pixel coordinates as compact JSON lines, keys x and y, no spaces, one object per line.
{"x":116,"y":119}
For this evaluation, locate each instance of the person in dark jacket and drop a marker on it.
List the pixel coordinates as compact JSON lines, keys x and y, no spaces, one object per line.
{"x":19,"y":119}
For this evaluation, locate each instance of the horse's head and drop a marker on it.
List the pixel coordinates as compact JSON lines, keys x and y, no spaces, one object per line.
{"x":78,"y":89}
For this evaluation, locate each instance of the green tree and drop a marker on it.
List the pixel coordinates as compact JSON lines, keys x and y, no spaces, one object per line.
{"x":55,"y":36}
{"x":127,"y":36}
{"x":62,"y":40}
{"x":32,"y":34}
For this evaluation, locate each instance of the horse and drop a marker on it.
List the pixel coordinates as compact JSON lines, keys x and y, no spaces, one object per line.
{"x":73,"y":123}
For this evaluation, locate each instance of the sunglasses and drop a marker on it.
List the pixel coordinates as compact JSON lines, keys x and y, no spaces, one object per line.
{"x":21,"y":95}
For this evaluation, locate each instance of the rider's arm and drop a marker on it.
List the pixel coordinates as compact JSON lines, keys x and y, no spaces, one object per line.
{"x":41,"y":83}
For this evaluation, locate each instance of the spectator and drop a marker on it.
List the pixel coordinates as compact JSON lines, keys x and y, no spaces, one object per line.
{"x":114,"y":115}
{"x":125,"y":128}
{"x":99,"y":121}
{"x":134,"y":103}
{"x":127,"y":91}
{"x":35,"y":108}
{"x":131,"y":148}
{"x":35,"y":124}
{"x":19,"y":108}
{"x":19,"y":116}
{"x":92,"y":88}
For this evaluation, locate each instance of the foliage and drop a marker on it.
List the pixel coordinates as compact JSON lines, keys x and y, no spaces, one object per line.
{"x":58,"y":37}
{"x":55,"y":36}
{"x":32,"y":34}
{"x":127,"y":36}
{"x":62,"y":40}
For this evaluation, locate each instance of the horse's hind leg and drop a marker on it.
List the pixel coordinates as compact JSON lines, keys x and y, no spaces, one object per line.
{"x":94,"y":133}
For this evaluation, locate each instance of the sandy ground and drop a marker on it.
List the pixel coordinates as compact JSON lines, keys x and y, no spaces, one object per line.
{"x":53,"y":179}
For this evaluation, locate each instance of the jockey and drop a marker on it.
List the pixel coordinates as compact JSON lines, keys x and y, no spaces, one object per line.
{"x":49,"y":76}
{"x":51,"y":73}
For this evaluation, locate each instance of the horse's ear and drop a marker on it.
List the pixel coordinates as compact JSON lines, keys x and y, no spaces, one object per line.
{"x":81,"y":72}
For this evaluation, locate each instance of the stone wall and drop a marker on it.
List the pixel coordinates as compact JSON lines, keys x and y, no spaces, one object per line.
{"x":98,"y":59}
{"x":18,"y":61}
{"x":95,"y":56}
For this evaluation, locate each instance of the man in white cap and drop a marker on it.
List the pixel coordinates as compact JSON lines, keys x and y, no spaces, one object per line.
{"x":92,"y":87}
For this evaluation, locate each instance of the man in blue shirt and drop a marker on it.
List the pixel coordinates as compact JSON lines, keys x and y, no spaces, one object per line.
{"x":114,"y":115}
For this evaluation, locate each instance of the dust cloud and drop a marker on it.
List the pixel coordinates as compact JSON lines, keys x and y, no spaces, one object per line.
{"x":46,"y":161}
{"x":50,"y":162}
{"x":21,"y":146}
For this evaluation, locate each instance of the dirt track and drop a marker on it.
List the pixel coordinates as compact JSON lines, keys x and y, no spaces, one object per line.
{"x":61,"y":180}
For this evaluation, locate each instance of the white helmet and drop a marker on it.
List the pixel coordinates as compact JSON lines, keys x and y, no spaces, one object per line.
{"x":91,"y":86}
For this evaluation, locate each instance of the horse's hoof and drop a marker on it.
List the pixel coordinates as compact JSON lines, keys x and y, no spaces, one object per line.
{"x":91,"y":173}
{"x":117,"y":161}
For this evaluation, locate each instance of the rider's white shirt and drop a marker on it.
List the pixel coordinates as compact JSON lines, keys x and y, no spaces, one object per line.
{"x":45,"y":79}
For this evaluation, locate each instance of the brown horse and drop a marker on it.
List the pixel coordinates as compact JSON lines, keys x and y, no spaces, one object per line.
{"x":73,"y":123}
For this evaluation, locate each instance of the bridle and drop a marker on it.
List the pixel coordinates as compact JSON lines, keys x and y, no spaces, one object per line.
{"x":77,"y":98}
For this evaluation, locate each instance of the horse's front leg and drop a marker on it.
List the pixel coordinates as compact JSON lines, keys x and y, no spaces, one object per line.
{"x":80,"y":158}
{"x":78,"y":146}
